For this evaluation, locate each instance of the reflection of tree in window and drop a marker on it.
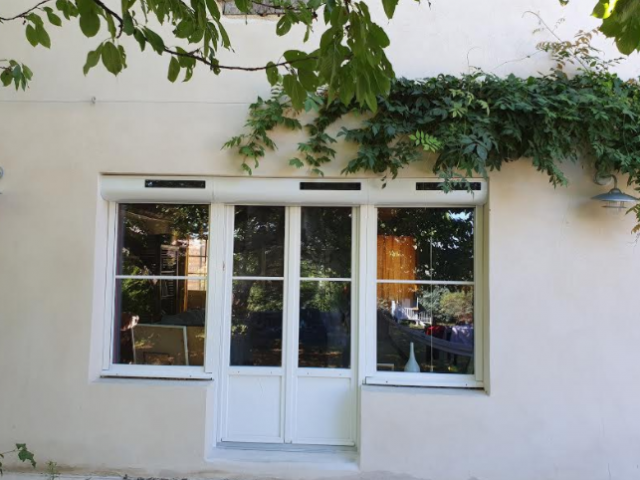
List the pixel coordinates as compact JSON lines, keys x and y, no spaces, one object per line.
{"x":159,"y":240}
{"x":426,"y":246}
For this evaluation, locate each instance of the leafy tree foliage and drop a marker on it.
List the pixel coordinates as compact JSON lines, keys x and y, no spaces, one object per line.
{"x":22,"y":453}
{"x":473,"y":124}
{"x":620,"y":21}
{"x":350,"y":59}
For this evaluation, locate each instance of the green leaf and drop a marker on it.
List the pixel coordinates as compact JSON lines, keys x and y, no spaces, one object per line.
{"x":43,"y":36}
{"x":283,"y":26}
{"x":32,"y":35}
{"x":296,"y":162}
{"x":140,"y":38}
{"x":53,"y":18}
{"x":379,"y":35}
{"x":111,"y":58}
{"x":212,"y":5}
{"x":308,"y":79}
{"x":154,"y":40}
{"x":127,"y":24}
{"x":111,"y":26}
{"x":272,"y":73}
{"x":90,"y":24}
{"x":86,"y":6}
{"x":174,"y":69}
{"x":6,"y":78}
{"x":93,"y":58}
{"x":243,"y":5}
{"x":295,"y":90}
{"x":389,"y":7}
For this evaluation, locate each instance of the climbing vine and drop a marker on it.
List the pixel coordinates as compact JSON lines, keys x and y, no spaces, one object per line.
{"x":472,"y":124}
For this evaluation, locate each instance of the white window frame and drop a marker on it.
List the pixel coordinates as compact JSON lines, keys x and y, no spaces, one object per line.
{"x":425,"y":379}
{"x":221,"y":192}
{"x":111,"y":369}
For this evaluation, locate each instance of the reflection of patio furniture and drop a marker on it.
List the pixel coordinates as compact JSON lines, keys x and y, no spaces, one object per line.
{"x":419,"y":336}
{"x":412,"y":315}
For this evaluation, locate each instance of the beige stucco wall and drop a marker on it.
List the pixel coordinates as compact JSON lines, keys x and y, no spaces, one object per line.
{"x":564,"y":333}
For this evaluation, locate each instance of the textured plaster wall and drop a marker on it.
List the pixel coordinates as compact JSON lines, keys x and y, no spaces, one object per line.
{"x":564,"y":334}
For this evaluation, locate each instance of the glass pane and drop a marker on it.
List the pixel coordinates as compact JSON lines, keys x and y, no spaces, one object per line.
{"x":436,"y":319}
{"x":326,"y":242}
{"x":325,"y":324}
{"x":159,"y":322}
{"x":258,"y":242}
{"x":162,"y":239}
{"x":256,"y":323}
{"x":425,"y":244}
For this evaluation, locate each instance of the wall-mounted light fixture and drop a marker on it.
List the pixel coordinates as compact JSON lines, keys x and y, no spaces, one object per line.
{"x":615,"y":198}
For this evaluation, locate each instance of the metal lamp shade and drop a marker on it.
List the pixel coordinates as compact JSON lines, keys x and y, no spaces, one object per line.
{"x":615,"y":198}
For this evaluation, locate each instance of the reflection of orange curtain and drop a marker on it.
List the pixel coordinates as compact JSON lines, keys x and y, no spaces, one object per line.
{"x":396,"y":261}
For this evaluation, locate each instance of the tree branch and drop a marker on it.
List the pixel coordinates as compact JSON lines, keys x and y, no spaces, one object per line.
{"x":200,"y":58}
{"x":24,"y":14}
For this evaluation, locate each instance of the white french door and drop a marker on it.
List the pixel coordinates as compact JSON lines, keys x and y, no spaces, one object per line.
{"x":288,"y":372}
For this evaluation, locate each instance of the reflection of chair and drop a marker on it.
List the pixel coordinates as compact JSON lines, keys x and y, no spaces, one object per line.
{"x":168,"y":345}
{"x":159,"y":345}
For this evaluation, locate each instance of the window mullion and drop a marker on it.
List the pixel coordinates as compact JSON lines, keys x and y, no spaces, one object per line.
{"x":216,"y":287}
{"x":291,"y":314}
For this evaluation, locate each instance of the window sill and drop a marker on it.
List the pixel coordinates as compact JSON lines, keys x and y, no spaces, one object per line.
{"x":432,"y":381}
{"x":157,"y":372}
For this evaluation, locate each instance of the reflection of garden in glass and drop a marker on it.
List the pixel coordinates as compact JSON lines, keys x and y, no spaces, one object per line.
{"x":154,"y":239}
{"x":438,"y":319}
{"x":325,"y":306}
{"x":325,"y":324}
{"x":256,"y":323}
{"x":417,"y":248}
{"x":325,"y":242}
{"x":257,"y":304}
{"x":258,"y":241}
{"x":439,"y":242}
{"x":161,"y":320}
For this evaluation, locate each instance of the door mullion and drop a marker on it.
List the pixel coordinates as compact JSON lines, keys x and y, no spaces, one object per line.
{"x":292,"y":308}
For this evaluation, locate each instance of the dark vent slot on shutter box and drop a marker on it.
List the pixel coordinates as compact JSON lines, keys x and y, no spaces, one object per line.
{"x":431,"y":186}
{"x":330,"y":186}
{"x":175,"y":184}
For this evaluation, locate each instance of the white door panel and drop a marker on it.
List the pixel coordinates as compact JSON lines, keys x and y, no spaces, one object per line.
{"x":254,"y":410}
{"x":324,"y":411}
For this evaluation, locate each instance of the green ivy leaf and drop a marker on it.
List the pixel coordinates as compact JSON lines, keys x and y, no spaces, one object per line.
{"x":296,"y":162}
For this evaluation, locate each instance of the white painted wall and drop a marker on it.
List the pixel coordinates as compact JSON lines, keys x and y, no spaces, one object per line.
{"x":564,"y":335}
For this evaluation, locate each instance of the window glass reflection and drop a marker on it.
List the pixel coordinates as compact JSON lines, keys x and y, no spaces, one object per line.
{"x":256,"y":323}
{"x":162,"y":239}
{"x":425,"y":244}
{"x":325,"y":250}
{"x":159,"y":322}
{"x":437,"y":319}
{"x":325,"y":324}
{"x":258,"y":242}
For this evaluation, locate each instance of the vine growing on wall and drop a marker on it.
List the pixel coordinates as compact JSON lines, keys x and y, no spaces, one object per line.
{"x":471,"y":124}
